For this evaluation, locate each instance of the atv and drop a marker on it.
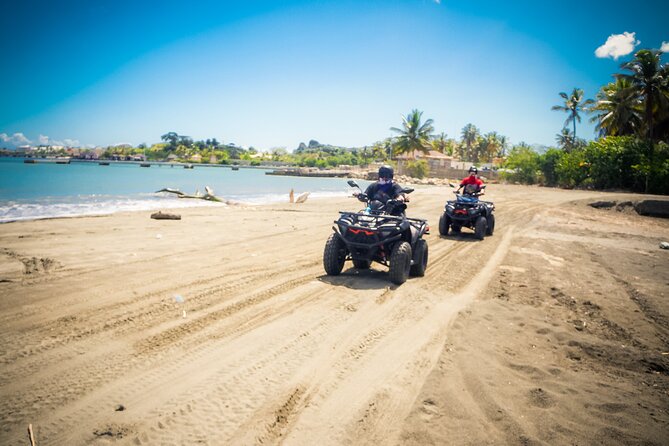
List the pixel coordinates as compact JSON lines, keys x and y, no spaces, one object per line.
{"x":380,"y":233}
{"x":468,"y":211}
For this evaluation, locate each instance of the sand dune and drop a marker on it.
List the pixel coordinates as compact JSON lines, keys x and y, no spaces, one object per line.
{"x":222,"y":328}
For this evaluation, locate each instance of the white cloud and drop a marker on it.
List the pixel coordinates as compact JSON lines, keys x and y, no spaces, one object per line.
{"x":13,"y":141}
{"x":665,"y":47}
{"x":46,"y":141}
{"x":617,"y":45}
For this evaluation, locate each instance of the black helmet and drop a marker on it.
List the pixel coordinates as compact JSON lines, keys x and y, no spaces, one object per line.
{"x":386,"y":172}
{"x":473,"y":169}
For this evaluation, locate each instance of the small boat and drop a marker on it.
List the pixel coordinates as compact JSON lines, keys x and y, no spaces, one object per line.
{"x":145,"y":165}
{"x":188,"y":166}
{"x":104,"y":163}
{"x":29,"y":161}
{"x":235,"y":168}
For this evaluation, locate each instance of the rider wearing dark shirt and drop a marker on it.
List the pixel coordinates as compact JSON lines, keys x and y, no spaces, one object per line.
{"x":385,"y":188}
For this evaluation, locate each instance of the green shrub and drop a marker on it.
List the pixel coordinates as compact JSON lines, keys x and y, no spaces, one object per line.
{"x":571,"y":169}
{"x":548,"y":164}
{"x":523,"y":165}
{"x":418,"y":168}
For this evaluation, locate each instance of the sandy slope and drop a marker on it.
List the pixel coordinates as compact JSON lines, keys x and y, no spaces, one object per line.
{"x":550,"y":332}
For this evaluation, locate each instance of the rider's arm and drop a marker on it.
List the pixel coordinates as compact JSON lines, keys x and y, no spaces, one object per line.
{"x":397,"y":192}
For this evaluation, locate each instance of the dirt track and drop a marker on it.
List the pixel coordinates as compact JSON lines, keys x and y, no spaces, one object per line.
{"x":553,"y":331}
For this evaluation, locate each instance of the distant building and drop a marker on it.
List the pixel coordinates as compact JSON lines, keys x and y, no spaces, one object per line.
{"x":436,"y":161}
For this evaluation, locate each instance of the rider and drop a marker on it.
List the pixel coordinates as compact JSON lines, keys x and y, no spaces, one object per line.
{"x":473,"y":180}
{"x":385,"y":188}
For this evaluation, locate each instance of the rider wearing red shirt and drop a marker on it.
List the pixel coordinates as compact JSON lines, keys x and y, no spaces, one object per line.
{"x":473,"y":180}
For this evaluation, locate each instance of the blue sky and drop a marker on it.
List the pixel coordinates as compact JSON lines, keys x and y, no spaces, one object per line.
{"x":273,"y":74}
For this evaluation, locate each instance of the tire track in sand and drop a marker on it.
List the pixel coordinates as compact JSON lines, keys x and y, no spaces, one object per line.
{"x":331,"y":403}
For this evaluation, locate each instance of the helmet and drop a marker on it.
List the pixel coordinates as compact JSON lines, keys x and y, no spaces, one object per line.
{"x":386,"y":172}
{"x":473,"y":169}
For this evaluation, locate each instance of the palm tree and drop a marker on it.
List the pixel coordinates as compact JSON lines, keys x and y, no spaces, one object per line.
{"x":470,"y":136}
{"x":440,"y":143}
{"x":573,"y":104}
{"x":617,"y":109}
{"x":413,"y":135}
{"x":490,"y":146}
{"x":503,"y":143}
{"x":565,"y":140}
{"x":648,"y":78}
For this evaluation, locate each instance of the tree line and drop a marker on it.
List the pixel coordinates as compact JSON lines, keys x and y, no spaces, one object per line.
{"x":632,"y":121}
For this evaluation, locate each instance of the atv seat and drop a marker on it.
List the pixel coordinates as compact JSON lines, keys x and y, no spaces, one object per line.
{"x":467,"y":199}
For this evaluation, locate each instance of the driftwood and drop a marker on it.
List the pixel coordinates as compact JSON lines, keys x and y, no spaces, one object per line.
{"x":32,"y":437}
{"x":302,"y":197}
{"x":160,"y":216}
{"x":208,"y":195}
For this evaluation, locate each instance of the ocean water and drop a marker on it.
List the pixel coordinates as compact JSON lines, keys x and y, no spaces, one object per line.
{"x":33,"y":191}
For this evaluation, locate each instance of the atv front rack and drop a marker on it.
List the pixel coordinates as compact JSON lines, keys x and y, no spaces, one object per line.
{"x":384,"y":217}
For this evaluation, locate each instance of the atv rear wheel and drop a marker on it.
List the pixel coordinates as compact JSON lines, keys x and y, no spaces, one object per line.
{"x":361,"y":264}
{"x":400,"y":263}
{"x":491,"y":225}
{"x":420,"y":259}
{"x":334,"y":255}
{"x":481,"y":227}
{"x":444,"y":224}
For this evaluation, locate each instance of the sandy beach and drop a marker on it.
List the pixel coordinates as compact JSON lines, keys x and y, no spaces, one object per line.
{"x":222,"y":328}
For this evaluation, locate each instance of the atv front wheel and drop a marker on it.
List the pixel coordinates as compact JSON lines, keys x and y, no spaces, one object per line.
{"x":420,"y":259}
{"x":491,"y":225}
{"x":480,"y":227}
{"x":400,"y":263}
{"x":361,"y":264}
{"x":444,"y":224}
{"x":334,"y":255}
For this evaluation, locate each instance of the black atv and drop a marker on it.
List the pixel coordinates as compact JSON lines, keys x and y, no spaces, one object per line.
{"x":468,"y":211}
{"x":379,"y":233}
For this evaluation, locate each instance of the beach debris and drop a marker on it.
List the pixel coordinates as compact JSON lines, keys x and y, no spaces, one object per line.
{"x":291,"y":196}
{"x":664,"y":245}
{"x":165,"y":216}
{"x":31,"y":435}
{"x":208,"y":195}
{"x":119,"y":408}
{"x":302,"y":197}
{"x":178,"y":298}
